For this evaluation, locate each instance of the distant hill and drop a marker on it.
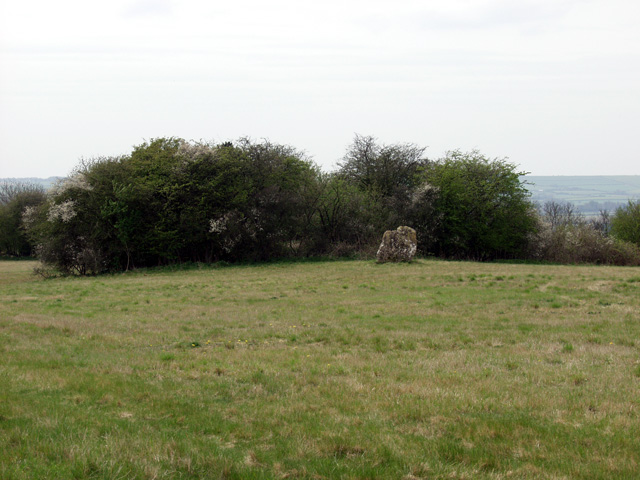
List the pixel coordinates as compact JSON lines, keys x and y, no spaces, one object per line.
{"x":45,"y":182}
{"x":589,"y":194}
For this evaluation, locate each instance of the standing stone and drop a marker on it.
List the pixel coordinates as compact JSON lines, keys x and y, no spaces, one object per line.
{"x":398,"y":245}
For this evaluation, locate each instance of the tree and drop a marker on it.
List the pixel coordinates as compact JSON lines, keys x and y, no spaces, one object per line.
{"x":625,"y":223}
{"x":15,"y":198}
{"x":277,"y":217}
{"x":386,"y":177}
{"x":481,"y":206}
{"x":388,"y":169}
{"x":347,"y":216}
{"x":559,"y":215}
{"x":68,"y":230}
{"x":174,"y":201}
{"x":602,"y":223}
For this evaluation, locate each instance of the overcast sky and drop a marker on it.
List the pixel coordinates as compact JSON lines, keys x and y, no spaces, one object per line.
{"x":552,"y":84}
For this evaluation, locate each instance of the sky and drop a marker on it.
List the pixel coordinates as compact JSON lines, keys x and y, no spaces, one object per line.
{"x":553,"y":85}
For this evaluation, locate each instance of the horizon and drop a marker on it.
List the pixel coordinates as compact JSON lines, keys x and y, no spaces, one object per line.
{"x":526,"y":175}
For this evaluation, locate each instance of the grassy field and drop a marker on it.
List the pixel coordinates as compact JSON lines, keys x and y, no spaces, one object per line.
{"x":322,"y":370}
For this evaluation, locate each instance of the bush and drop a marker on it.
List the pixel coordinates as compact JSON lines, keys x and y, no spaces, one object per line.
{"x":389,"y":170}
{"x":625,"y":224}
{"x":15,"y":198}
{"x":172,"y":201}
{"x":348,"y":218}
{"x":581,"y":243}
{"x":481,"y":209}
{"x":65,"y":229}
{"x":386,"y":177}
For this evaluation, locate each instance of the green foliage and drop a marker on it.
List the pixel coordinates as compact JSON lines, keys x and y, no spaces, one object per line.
{"x":625,"y":223}
{"x":171,"y":201}
{"x":175,"y":201}
{"x":378,"y":183}
{"x":277,"y":216}
{"x":346,"y":216}
{"x":483,"y":210}
{"x":15,"y":199}
{"x":66,"y":229}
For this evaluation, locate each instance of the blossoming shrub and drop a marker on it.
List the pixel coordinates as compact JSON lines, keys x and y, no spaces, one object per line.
{"x":65,"y":229}
{"x":581,"y":243}
{"x":174,"y":201}
{"x":15,"y":198}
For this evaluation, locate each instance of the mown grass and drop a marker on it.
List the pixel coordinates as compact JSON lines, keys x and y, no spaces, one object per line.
{"x":322,"y":370}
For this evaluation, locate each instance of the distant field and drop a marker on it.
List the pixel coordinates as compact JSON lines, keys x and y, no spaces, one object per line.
{"x":342,"y":369}
{"x":589,"y":193}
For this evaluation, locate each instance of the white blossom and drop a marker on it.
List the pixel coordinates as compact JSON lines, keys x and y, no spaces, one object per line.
{"x":62,"y":211}
{"x":219,"y":225}
{"x":422,"y":192}
{"x":193,"y":151}
{"x":76,"y":181}
{"x":29,"y":216}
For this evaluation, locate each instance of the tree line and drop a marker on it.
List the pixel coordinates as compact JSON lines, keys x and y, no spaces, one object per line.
{"x":172,"y":200}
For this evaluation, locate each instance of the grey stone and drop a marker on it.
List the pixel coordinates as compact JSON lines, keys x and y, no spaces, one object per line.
{"x":398,"y":245}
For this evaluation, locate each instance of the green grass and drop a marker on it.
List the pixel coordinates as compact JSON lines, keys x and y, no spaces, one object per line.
{"x":322,"y":370}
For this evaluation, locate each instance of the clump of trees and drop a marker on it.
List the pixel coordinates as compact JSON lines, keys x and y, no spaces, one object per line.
{"x":174,"y":201}
{"x":15,"y":198}
{"x":464,"y":205}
